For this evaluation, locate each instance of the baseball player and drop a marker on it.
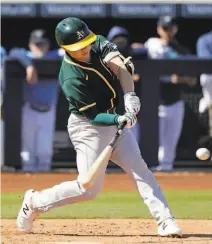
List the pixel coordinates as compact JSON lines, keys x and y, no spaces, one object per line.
{"x":38,"y":113}
{"x":171,"y":109}
{"x":3,"y":55}
{"x":204,"y":50}
{"x":121,"y":37}
{"x":89,"y":75}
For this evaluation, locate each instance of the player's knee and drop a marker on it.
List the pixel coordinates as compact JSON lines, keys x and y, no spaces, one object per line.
{"x":91,"y":194}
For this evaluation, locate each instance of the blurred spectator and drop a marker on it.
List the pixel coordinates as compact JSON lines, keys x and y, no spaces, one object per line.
{"x":3,"y":55}
{"x":171,"y":108}
{"x":204,"y":50}
{"x":40,"y":98}
{"x":121,"y":37}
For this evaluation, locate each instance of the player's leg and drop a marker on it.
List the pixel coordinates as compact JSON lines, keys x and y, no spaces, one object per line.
{"x":170,"y":126}
{"x":163,"y":131}
{"x":206,"y":101}
{"x":29,"y":131}
{"x":2,"y":143}
{"x":89,"y":141}
{"x":177,"y":115}
{"x":45,"y":137}
{"x":136,"y":132}
{"x":127,"y":155}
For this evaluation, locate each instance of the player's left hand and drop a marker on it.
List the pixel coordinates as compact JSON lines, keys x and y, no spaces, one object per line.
{"x":132,"y":102}
{"x":129,"y":118}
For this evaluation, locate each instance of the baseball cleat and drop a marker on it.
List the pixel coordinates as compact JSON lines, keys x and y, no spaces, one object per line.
{"x":169,"y":228}
{"x":26,"y":215}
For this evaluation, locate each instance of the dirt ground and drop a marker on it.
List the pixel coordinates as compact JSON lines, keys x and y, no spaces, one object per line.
{"x":105,"y":231}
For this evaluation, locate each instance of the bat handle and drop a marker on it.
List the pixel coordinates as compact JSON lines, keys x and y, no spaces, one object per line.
{"x":121,"y":127}
{"x":118,"y":133}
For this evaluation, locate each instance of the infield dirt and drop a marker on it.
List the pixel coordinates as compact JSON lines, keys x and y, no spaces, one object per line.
{"x":105,"y":231}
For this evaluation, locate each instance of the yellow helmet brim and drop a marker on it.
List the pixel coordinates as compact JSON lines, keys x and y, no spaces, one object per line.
{"x":81,"y":44}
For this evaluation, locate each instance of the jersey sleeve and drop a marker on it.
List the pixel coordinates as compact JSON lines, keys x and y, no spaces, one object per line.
{"x":107,"y":50}
{"x":57,"y":53}
{"x":153,"y":48}
{"x":21,"y":55}
{"x":3,"y":52}
{"x":203,"y":48}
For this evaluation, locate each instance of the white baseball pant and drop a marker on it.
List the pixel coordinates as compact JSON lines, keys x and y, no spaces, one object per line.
{"x":89,"y":141}
{"x":37,"y":139}
{"x":170,"y":126}
{"x":206,"y":101}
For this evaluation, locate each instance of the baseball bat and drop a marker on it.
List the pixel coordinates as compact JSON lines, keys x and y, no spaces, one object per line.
{"x":102,"y":159}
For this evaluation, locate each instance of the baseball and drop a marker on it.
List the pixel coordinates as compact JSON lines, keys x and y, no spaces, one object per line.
{"x":203,"y":153}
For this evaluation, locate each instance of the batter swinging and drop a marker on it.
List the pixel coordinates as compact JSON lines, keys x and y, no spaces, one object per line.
{"x":89,"y":76}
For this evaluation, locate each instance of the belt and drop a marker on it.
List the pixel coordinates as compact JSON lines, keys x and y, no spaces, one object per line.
{"x":41,"y":109}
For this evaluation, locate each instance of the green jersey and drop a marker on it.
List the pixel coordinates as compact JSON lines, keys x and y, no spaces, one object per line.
{"x":90,"y":87}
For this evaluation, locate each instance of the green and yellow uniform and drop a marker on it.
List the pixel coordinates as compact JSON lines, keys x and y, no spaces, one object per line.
{"x":91,"y":88}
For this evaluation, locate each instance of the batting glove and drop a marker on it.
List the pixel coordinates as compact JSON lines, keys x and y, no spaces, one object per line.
{"x":132,"y":103}
{"x":129,"y":118}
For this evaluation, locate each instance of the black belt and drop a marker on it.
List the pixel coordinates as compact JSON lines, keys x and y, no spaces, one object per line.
{"x":41,"y":109}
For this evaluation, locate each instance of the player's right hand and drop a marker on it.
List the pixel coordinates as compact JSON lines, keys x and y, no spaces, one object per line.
{"x":31,"y":75}
{"x":129,"y":118}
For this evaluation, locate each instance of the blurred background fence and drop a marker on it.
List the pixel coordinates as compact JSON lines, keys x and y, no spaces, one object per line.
{"x":64,"y":155}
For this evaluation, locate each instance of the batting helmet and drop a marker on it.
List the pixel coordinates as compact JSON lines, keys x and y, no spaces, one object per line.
{"x":73,"y":34}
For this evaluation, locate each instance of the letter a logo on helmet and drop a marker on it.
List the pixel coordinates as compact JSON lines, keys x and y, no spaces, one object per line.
{"x":80,"y":34}
{"x":73,"y":34}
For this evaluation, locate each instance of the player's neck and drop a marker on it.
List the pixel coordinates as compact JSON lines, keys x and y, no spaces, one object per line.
{"x":85,"y":60}
{"x":166,"y":41}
